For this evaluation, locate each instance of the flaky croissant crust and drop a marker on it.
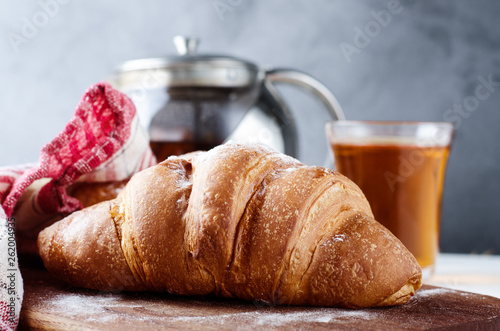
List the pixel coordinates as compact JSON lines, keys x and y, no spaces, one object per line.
{"x":237,"y":221}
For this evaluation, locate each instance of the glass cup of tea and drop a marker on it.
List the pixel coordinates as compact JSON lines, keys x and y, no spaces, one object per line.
{"x":400,"y":167}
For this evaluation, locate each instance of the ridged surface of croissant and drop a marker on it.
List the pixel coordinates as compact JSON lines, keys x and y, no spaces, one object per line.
{"x":238,"y":221}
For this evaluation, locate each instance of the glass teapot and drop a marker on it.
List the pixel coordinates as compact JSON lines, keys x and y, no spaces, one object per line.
{"x":192,"y":101}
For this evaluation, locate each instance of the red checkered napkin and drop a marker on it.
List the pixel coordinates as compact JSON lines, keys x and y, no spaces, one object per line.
{"x":103,"y":142}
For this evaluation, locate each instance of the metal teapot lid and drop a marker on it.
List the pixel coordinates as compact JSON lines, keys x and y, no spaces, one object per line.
{"x":188,"y":68}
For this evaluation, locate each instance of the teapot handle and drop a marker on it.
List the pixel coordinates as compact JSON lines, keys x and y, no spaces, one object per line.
{"x":308,"y":83}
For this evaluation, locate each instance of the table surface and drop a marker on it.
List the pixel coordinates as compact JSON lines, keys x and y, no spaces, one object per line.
{"x":50,"y":304}
{"x":468,"y":272}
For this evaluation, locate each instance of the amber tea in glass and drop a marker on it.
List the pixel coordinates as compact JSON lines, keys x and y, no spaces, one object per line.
{"x":400,"y":167}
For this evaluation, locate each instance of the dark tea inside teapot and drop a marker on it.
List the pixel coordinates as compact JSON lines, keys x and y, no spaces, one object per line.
{"x":198,"y":118}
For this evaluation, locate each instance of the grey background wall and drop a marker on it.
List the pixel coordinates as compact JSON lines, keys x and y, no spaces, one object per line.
{"x":424,"y":61}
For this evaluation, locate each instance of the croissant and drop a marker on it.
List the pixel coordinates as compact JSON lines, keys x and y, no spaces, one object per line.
{"x":239,"y":221}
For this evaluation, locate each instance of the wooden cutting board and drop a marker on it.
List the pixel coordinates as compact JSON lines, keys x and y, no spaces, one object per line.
{"x":52,"y":305}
